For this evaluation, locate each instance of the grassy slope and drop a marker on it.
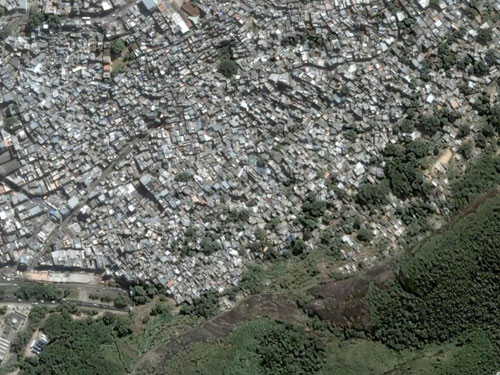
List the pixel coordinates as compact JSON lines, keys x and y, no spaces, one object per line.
{"x":236,"y":356}
{"x":352,"y":357}
{"x":473,"y":351}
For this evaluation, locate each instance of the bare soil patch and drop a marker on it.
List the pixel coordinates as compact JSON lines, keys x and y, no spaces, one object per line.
{"x":344,"y":302}
{"x":276,"y":306}
{"x":340,"y":302}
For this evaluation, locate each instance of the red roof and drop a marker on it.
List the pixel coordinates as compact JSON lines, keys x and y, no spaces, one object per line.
{"x":190,"y":9}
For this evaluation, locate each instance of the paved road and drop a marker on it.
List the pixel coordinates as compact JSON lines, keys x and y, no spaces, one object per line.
{"x":83,"y":200}
{"x":98,"y":306}
{"x":18,"y":21}
{"x":11,"y":286}
{"x":88,"y":287}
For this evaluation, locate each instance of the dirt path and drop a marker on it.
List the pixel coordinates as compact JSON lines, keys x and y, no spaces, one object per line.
{"x":338,"y":301}
{"x":274,"y":305}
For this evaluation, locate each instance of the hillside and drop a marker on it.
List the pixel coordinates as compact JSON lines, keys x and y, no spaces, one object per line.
{"x":436,"y":316}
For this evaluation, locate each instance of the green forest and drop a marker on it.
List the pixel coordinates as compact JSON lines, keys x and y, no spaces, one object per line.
{"x":266,"y":347}
{"x":80,"y":347}
{"x":450,"y":284}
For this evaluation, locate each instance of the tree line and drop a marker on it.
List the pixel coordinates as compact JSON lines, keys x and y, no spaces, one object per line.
{"x":446,"y":289}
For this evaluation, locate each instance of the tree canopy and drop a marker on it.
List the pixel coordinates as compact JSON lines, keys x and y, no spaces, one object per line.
{"x":80,"y":347}
{"x":479,"y":177}
{"x":373,"y":194}
{"x":260,"y":347}
{"x":447,"y":286}
{"x":39,"y":291}
{"x":36,"y":19}
{"x":403,"y":168}
{"x":206,"y":306}
{"x":228,"y":67}
{"x":117,"y":46}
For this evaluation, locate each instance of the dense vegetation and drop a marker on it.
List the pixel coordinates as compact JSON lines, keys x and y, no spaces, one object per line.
{"x":79,"y":347}
{"x":117,"y":46}
{"x":448,"y":286}
{"x":295,"y":349}
{"x":479,"y":177}
{"x":287,"y":349}
{"x":183,"y":176}
{"x":403,"y":168}
{"x":38,"y":18}
{"x":141,"y":294}
{"x":288,"y":272}
{"x":444,"y":303}
{"x":206,"y":306}
{"x":39,"y":292}
{"x":37,"y":314}
{"x":260,"y":347}
{"x":439,"y":317}
{"x":373,"y":195}
{"x":121,"y":301}
{"x":472,"y":353}
{"x":227,"y":68}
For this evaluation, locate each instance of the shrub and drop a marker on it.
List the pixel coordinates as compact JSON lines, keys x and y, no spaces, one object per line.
{"x":403,"y":168}
{"x":465,"y":149}
{"x":236,"y":216}
{"x":365,"y":235}
{"x":373,"y":194}
{"x":142,"y":295}
{"x":479,"y":177}
{"x":228,"y":68}
{"x":39,"y":291}
{"x":123,"y":326}
{"x":54,"y":20}
{"x":350,"y":135}
{"x":252,"y":279}
{"x":207,"y":306}
{"x":161,"y":309}
{"x":182,"y":176}
{"x":297,"y":246}
{"x":86,"y":345}
{"x":121,"y":301}
{"x":463,"y":131}
{"x":117,"y":46}
{"x":209,"y":246}
{"x":484,"y":36}
{"x":285,"y":349}
{"x":35,"y":20}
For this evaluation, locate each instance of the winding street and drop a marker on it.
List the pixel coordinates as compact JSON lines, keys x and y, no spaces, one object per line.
{"x":83,"y":200}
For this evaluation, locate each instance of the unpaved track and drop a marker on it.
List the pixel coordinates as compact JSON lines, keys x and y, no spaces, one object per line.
{"x":274,"y":305}
{"x":338,"y":301}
